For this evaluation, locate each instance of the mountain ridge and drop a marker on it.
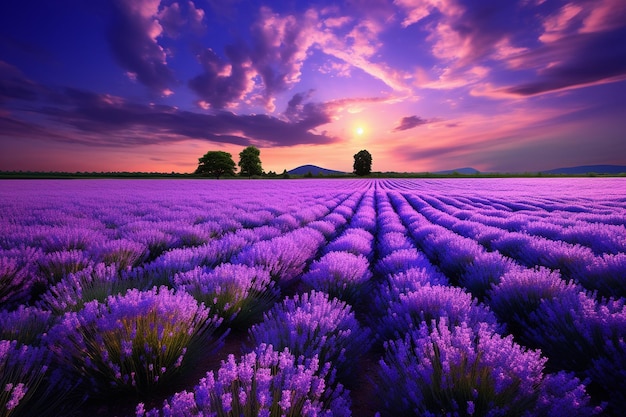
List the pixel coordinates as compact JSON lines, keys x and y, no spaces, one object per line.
{"x":586,"y":169}
{"x":313,"y":169}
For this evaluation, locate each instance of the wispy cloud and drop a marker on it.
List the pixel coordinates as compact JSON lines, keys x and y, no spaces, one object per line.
{"x":103,"y":120}
{"x":409,"y":122}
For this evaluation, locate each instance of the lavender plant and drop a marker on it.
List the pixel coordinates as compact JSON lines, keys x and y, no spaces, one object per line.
{"x":156,"y":241}
{"x":608,"y":369}
{"x":123,"y":253}
{"x":433,"y":303}
{"x":356,"y":241}
{"x":311,"y":325}
{"x":134,"y":342}
{"x":604,"y":274}
{"x":521,"y":292}
{"x":412,"y":279}
{"x":96,"y":282}
{"x":22,"y":370}
{"x":26,"y":325}
{"x":485,"y":271}
{"x":401,"y":260}
{"x":239,"y":294}
{"x":341,"y":275}
{"x":284,"y":257}
{"x":443,"y":370}
{"x":15,"y":283}
{"x":56,"y":265}
{"x":265,"y":382}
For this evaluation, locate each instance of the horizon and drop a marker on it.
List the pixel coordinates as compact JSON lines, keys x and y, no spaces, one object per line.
{"x":423,"y":85}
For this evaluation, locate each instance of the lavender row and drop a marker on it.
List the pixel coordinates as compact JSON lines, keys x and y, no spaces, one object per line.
{"x":315,"y":327}
{"x":31,"y":269}
{"x":596,"y":272}
{"x":538,"y":306}
{"x":599,"y":228}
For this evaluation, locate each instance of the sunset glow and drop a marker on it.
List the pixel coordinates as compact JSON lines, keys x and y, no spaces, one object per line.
{"x":151,"y":85}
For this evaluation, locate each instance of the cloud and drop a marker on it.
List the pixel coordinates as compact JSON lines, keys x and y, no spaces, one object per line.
{"x":280,"y":45}
{"x":176,"y":19}
{"x":88,"y":118}
{"x":573,"y":62}
{"x":409,"y":122}
{"x":575,"y":45}
{"x":271,"y":63}
{"x":224,"y":83}
{"x":133,"y":39}
{"x":14,"y":85}
{"x":582,"y":45}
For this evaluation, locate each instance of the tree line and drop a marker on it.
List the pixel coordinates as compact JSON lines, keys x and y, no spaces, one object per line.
{"x":219,"y":163}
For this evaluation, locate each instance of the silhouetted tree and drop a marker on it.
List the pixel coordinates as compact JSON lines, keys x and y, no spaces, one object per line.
{"x":362,"y":163}
{"x":250,"y":162}
{"x":285,"y":175}
{"x":216,"y":163}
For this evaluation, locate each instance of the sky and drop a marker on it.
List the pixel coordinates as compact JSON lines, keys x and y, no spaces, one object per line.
{"x":423,"y":85}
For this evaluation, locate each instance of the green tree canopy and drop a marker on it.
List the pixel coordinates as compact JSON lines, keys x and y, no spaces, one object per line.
{"x":216,"y":163}
{"x":250,"y":162}
{"x":362,"y":163}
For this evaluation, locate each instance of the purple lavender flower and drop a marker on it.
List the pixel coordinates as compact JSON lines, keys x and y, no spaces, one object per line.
{"x":434,"y":303}
{"x":237,"y":293}
{"x":390,"y":242}
{"x":356,"y":241}
{"x":22,"y":371}
{"x":70,"y":238}
{"x":521,"y":292}
{"x":603,"y":273}
{"x":314,"y":325}
{"x":56,"y":265}
{"x":156,"y":241}
{"x":25,"y":325}
{"x":133,"y":342}
{"x":444,"y":370}
{"x":608,"y":369}
{"x":261,"y":383}
{"x":402,"y":260}
{"x":15,"y":282}
{"x":284,"y":257}
{"x":124,"y":253}
{"x":92,"y":283}
{"x":341,"y":275}
{"x":404,"y":282}
{"x":485,"y":271}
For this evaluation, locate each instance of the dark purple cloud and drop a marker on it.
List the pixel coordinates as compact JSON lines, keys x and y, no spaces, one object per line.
{"x":176,"y":19}
{"x":271,"y":60}
{"x":80,"y":116}
{"x":576,"y":60}
{"x":409,"y":122}
{"x":133,"y":39}
{"x":223,"y":82}
{"x":14,"y":85}
{"x":295,"y":106}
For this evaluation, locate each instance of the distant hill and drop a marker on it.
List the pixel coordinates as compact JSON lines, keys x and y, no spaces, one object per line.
{"x":464,"y":171}
{"x":313,"y":169}
{"x":585,"y":169}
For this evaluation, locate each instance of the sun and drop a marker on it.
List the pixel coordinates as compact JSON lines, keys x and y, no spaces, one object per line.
{"x":359,"y":131}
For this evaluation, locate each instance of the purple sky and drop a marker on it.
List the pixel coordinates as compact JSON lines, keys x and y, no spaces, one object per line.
{"x":423,"y":85}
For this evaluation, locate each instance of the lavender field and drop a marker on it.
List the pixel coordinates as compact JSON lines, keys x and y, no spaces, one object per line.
{"x":449,"y":297}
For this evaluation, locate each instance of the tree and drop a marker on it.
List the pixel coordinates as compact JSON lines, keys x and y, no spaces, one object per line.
{"x":216,"y":163}
{"x":249,"y":161}
{"x":362,"y":163}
